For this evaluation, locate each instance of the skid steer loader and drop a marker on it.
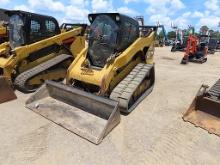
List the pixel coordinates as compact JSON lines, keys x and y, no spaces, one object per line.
{"x":36,"y":51}
{"x":115,"y":73}
{"x":204,"y":111}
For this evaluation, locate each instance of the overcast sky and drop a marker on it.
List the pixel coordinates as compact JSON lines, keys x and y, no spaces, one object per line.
{"x":181,"y":12}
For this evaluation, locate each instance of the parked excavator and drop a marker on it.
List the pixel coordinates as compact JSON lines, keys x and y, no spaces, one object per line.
{"x":196,"y":51}
{"x":180,"y":43}
{"x":161,"y":40}
{"x":36,"y":51}
{"x":114,"y":73}
{"x":204,"y":111}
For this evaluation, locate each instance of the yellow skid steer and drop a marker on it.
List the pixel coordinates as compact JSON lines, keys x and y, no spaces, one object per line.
{"x":114,"y":73}
{"x":36,"y":51}
{"x":204,"y":111}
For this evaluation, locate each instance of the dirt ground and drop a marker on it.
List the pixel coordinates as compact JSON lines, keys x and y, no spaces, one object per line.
{"x":154,"y":133}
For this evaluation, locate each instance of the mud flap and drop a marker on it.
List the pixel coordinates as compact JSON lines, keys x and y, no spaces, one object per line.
{"x":89,"y":116}
{"x":204,"y":112}
{"x":6,"y":91}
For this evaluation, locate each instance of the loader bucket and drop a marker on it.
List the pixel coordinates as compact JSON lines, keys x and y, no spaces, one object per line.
{"x":89,"y":116}
{"x":204,"y":112}
{"x":6,"y":91}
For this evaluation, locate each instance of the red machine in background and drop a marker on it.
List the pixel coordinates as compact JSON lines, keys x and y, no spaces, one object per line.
{"x":196,"y":51}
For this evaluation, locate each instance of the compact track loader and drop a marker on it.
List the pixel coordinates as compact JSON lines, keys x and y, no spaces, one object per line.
{"x":204,"y":111}
{"x":196,"y":51}
{"x":36,"y":51}
{"x":115,"y":73}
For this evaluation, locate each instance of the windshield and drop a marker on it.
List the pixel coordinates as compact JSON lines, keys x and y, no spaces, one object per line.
{"x":16,"y":31}
{"x":102,"y":40}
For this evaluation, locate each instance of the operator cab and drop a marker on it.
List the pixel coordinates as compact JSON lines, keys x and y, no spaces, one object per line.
{"x":110,"y":34}
{"x":27,"y":28}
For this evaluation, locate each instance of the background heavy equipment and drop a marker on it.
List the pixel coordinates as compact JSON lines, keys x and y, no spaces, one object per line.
{"x":164,"y":40}
{"x":161,"y":38}
{"x":36,"y":51}
{"x":218,"y":45}
{"x":69,"y":26}
{"x":114,"y":73}
{"x":204,"y":111}
{"x":212,"y":45}
{"x":196,"y":51}
{"x":180,"y":43}
{"x":3,"y":26}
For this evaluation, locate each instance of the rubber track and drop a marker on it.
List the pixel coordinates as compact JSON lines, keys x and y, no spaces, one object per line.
{"x":125,"y":89}
{"x":214,"y":91}
{"x":21,"y":79}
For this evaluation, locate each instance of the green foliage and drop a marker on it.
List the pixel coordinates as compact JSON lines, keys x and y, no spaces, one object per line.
{"x":171,"y":35}
{"x":161,"y":35}
{"x":204,"y":28}
{"x":215,"y":34}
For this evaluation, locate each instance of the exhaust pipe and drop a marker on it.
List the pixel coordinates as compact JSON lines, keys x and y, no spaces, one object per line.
{"x":89,"y":116}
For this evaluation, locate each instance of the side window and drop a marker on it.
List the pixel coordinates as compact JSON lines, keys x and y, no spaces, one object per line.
{"x":130,"y":32}
{"x":50,"y":27}
{"x":126,"y":36}
{"x":35,"y":31}
{"x":35,"y":26}
{"x":133,"y":33}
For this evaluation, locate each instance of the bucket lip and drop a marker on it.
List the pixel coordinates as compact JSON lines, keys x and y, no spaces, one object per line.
{"x":83,"y":93}
{"x":112,"y":121}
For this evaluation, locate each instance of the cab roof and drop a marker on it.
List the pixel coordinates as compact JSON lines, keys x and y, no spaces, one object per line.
{"x":122,"y":17}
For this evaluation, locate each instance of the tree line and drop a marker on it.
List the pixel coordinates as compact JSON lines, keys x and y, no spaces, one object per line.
{"x":213,"y":33}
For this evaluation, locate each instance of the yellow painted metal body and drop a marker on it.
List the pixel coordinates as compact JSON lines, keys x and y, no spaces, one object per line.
{"x":108,"y":77}
{"x":3,"y":31}
{"x":10,"y":60}
{"x":3,"y":34}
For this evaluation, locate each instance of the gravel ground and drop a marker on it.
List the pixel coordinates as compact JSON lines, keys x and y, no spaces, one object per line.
{"x":152,"y":134}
